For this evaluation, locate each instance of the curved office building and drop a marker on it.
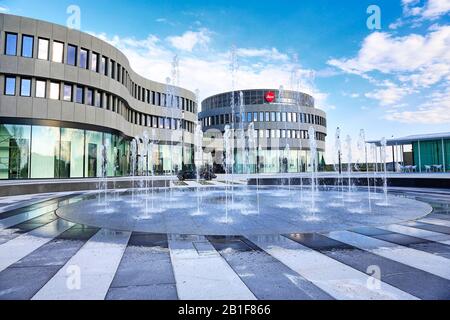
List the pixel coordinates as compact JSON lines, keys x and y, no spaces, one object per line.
{"x":281,"y":120}
{"x":65,"y":94}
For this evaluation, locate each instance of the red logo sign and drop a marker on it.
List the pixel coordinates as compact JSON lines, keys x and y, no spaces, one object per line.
{"x":270,"y":97}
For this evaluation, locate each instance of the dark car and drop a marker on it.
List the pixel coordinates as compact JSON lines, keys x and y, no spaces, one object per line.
{"x":186,"y":175}
{"x":206,"y":173}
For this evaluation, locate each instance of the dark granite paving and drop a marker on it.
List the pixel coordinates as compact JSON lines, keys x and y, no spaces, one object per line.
{"x":441,"y":216}
{"x":145,"y":271}
{"x":41,"y":208}
{"x":266,"y":277}
{"x":411,"y":280}
{"x":428,"y":226}
{"x":408,"y":241}
{"x":26,"y":226}
{"x":23,"y":279}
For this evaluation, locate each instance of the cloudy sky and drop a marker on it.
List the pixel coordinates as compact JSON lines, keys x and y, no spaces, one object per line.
{"x":392,"y":81}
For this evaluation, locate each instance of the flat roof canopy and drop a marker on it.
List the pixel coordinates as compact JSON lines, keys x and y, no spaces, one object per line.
{"x":413,"y":138}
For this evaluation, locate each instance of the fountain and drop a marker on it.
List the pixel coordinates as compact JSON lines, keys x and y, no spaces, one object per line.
{"x":383,"y":159}
{"x":286,"y":153}
{"x":252,"y":139}
{"x":313,"y":163}
{"x":144,"y":166}
{"x":229,"y":163}
{"x":241,"y":134}
{"x":133,"y":163}
{"x":338,"y":161}
{"x":198,"y":159}
{"x":348,"y":140}
{"x":277,"y":211}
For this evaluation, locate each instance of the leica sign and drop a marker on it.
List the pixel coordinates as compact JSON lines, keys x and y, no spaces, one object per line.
{"x":270,"y":96}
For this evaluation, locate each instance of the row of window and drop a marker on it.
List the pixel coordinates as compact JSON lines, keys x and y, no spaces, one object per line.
{"x":255,"y":97}
{"x":287,"y":134}
{"x":268,"y":116}
{"x":95,"y":62}
{"x":85,"y":95}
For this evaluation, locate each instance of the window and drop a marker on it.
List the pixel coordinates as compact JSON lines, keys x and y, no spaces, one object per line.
{"x":27,"y":46}
{"x":10,"y":86}
{"x":67,"y":92}
{"x":40,"y":88}
{"x":94,"y":62}
{"x":272,"y":116}
{"x":278,"y":116}
{"x":84,"y":58}
{"x":25,"y":87}
{"x":267,"y":118}
{"x":249,"y":117}
{"x":105,"y":101}
{"x":11,"y":44}
{"x":58,"y":52}
{"x":79,"y":95}
{"x":43,"y":49}
{"x":255,"y":116}
{"x":71,"y":55}
{"x":90,"y":97}
{"x":104,"y":66}
{"x":54,"y":91}
{"x":289,"y":117}
{"x":98,"y":99}
{"x":283,"y":117}
{"x":113,"y":69}
{"x":118,"y":72}
{"x":261,"y":117}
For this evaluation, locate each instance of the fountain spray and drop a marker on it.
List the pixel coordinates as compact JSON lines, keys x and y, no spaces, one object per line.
{"x":313,"y":161}
{"x":383,"y":159}
{"x":198,"y":158}
{"x":349,"y":162}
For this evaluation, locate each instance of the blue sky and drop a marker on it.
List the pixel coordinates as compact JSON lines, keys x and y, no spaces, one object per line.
{"x":392,"y":82}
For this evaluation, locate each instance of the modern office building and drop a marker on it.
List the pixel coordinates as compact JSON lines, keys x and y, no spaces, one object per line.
{"x":281,"y":120}
{"x":64,"y":94}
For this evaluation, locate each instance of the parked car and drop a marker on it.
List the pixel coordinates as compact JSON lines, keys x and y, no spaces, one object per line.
{"x":206,"y":173}
{"x":186,"y":175}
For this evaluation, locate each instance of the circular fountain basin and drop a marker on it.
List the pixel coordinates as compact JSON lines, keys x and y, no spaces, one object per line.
{"x":241,"y":211}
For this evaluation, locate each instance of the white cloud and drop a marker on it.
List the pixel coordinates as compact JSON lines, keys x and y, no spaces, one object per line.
{"x":351,"y":95}
{"x":433,"y":9}
{"x":190,"y":39}
{"x":388,"y":95}
{"x":4,"y":9}
{"x":262,"y":53}
{"x":435,"y":111}
{"x":402,"y":66}
{"x":208,"y":70}
{"x":388,"y":54}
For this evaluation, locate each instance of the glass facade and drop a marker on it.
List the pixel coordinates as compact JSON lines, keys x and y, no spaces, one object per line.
{"x":41,"y":152}
{"x":274,"y":161}
{"x":432,"y":153}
